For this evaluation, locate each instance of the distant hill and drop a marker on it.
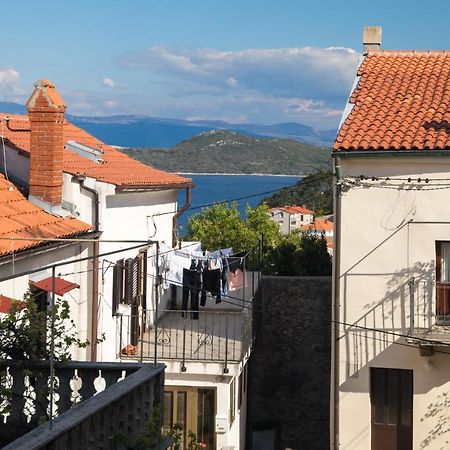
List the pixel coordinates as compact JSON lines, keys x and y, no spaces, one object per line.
{"x":231,"y":152}
{"x":145,"y":131}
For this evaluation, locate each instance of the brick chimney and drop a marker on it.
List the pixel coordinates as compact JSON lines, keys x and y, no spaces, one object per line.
{"x":372,"y":38}
{"x":46,"y":114}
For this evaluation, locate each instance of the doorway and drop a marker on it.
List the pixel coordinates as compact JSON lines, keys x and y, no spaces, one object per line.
{"x":391,"y":397}
{"x":195,"y":410}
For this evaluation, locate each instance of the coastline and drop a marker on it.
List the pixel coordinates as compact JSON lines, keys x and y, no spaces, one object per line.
{"x":241,"y":174}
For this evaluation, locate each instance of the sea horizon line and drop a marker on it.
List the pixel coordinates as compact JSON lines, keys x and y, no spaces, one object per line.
{"x":241,"y":174}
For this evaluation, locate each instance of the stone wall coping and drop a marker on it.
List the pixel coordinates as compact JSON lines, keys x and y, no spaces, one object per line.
{"x":42,"y":435}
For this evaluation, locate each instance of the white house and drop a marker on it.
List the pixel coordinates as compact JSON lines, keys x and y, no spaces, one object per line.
{"x":391,"y":305}
{"x":290,"y":218}
{"x":72,"y":177}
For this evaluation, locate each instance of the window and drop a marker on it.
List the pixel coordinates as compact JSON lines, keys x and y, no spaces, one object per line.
{"x":130,"y":282}
{"x":130,"y":288}
{"x":301,"y":217}
{"x":293,"y":222}
{"x":442,"y":278}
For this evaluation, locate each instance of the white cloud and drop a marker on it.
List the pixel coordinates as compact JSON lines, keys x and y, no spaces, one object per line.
{"x":307,"y":84}
{"x":9,"y":76}
{"x":321,"y":73}
{"x":232,"y":82}
{"x":111,"y":104}
{"x":108,"y":82}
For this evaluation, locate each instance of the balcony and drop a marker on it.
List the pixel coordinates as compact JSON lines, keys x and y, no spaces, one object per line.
{"x":429,"y":311}
{"x":223,"y":333}
{"x":125,"y":398}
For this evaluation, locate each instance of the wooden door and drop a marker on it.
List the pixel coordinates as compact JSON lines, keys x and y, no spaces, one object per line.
{"x":391,"y":396}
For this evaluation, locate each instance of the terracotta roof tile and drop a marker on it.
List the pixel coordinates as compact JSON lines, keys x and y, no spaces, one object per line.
{"x":116,"y":168}
{"x":293,"y":210}
{"x":7,"y":302}
{"x":319,"y":225}
{"x":402,"y":101}
{"x":19,"y":218}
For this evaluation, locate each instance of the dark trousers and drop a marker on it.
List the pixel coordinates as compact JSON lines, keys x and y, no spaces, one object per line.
{"x":192,"y":283}
{"x":211,"y":283}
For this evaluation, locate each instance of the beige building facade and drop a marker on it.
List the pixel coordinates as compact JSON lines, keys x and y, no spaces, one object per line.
{"x":391,"y":301}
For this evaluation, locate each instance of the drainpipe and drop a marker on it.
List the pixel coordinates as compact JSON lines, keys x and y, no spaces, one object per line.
{"x":95,"y":265}
{"x":335,"y":312}
{"x":178,"y":214}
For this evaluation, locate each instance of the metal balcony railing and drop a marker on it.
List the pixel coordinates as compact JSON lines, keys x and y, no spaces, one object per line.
{"x":429,"y":309}
{"x":216,"y":336}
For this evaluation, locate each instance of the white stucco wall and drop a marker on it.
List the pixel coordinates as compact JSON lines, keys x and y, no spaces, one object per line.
{"x":123,"y":216}
{"x":380,"y":252}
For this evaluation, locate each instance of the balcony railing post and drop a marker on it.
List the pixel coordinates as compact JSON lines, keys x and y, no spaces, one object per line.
{"x":183,"y":364}
{"x":225,"y":368}
{"x":156,"y":302}
{"x":411,"y":283}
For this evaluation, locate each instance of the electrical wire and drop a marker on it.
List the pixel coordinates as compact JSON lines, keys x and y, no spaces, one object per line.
{"x":207,"y":205}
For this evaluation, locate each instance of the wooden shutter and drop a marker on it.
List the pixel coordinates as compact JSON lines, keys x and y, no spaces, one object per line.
{"x":142,"y":271}
{"x":118,"y":288}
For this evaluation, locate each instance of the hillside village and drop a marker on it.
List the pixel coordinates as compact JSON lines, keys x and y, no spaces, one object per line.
{"x":116,"y":333}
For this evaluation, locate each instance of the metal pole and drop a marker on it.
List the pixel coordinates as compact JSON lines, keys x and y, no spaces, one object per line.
{"x":52,"y":347}
{"x":411,"y":305}
{"x":225,"y":369}
{"x":183,"y":364}
{"x":156,"y":301}
{"x":245,"y":280}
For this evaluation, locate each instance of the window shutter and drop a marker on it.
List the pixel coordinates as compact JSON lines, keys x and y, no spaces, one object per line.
{"x":117,"y":296}
{"x":142,"y":277}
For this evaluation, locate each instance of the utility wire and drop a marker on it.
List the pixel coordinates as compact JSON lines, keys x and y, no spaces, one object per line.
{"x":206,"y":205}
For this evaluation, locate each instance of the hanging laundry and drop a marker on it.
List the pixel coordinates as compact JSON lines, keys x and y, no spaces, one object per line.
{"x":211,"y":282}
{"x":236,"y":271}
{"x":191,"y":292}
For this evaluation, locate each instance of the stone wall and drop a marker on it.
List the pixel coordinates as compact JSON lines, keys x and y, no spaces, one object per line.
{"x":289,"y":375}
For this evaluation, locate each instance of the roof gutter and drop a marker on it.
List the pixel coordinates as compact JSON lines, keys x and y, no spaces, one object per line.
{"x":177,"y":215}
{"x":45,"y":247}
{"x":380,"y":153}
{"x":335,"y":311}
{"x":95,"y":264}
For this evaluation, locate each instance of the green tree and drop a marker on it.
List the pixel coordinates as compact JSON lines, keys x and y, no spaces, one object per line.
{"x":221,"y":226}
{"x":299,"y":254}
{"x":25,"y":336}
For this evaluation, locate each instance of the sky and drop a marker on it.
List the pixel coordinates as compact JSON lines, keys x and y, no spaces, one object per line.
{"x":242,"y":61}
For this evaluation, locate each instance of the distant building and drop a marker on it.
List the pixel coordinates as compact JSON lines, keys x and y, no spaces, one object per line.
{"x":289,"y":218}
{"x":322,"y":227}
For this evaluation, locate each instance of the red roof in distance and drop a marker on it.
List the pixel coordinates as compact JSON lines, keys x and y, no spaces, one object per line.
{"x":293,"y":209}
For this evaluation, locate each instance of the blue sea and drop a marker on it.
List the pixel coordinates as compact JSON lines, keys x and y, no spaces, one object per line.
{"x":217,"y":188}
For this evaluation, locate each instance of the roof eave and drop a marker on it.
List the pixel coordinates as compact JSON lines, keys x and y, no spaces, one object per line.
{"x":153,"y":187}
{"x":45,"y":246}
{"x":380,"y":152}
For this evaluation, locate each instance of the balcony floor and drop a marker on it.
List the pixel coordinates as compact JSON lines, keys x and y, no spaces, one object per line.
{"x":212,"y":337}
{"x":438,"y":333}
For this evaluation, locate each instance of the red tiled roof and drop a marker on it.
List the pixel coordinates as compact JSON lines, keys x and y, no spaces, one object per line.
{"x":293,"y":210}
{"x":61,"y":286}
{"x":319,"y":225}
{"x":401,"y":102}
{"x":6,"y":303}
{"x":20,"y":218}
{"x":116,"y":168}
